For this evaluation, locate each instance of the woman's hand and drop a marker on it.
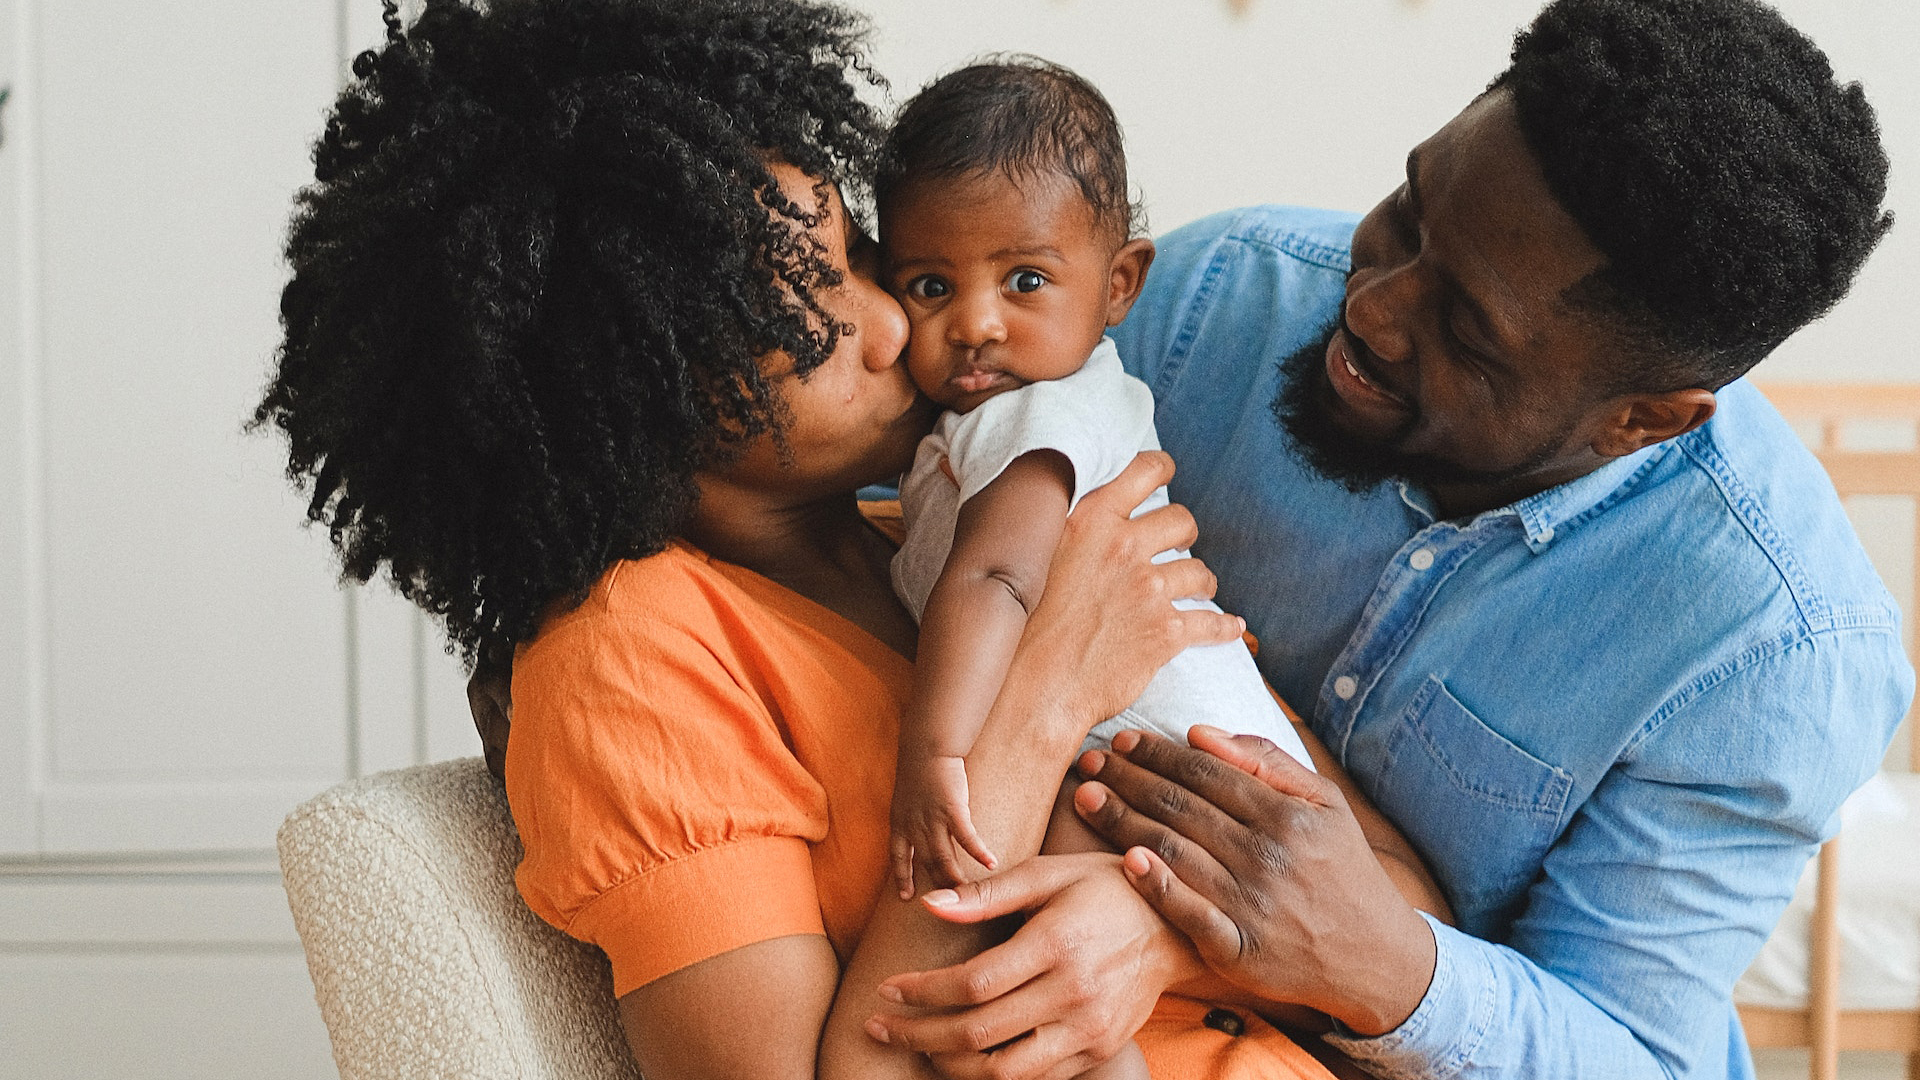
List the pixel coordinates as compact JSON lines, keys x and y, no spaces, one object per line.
{"x":1077,"y":980}
{"x":1264,"y":866}
{"x":1106,"y":621}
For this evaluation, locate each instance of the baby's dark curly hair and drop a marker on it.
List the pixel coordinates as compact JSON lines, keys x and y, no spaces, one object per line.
{"x":1704,"y":146}
{"x":532,"y":279}
{"x":1018,"y":115}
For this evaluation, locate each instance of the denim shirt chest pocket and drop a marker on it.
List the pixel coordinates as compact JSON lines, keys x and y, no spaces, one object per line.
{"x":1481,"y":810}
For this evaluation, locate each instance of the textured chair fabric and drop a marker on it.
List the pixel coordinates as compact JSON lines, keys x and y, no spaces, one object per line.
{"x":425,"y":962}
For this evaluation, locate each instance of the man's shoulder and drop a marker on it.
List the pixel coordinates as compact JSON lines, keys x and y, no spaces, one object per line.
{"x":1767,"y":516}
{"x":1321,"y":238}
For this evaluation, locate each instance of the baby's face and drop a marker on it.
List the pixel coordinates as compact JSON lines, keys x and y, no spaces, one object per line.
{"x":1004,"y":283}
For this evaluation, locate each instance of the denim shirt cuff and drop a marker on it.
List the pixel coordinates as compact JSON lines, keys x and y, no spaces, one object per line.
{"x":1439,"y":1039}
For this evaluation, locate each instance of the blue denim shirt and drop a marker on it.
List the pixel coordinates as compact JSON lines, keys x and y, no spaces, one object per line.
{"x":1616,"y":717}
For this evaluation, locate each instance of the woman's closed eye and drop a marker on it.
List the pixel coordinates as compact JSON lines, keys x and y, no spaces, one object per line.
{"x":1025,"y":280}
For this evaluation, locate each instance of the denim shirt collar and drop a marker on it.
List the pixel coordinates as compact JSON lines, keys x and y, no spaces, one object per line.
{"x":1543,"y":516}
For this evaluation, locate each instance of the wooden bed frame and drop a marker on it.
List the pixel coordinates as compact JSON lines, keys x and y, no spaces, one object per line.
{"x":1823,"y":1026}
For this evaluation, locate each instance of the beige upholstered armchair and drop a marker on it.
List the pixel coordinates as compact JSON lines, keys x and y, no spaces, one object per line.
{"x":425,"y":961}
{"x":1842,"y":972}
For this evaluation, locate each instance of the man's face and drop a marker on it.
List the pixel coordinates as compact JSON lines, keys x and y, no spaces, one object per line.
{"x":1457,"y":363}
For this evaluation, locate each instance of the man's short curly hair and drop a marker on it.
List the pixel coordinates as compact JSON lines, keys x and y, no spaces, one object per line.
{"x":531,"y":282}
{"x":1733,"y":185}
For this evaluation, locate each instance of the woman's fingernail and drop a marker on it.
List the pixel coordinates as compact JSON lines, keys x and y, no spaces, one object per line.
{"x":1134,"y":863}
{"x":942,"y":898}
{"x":876,"y":1030}
{"x":892,"y":993}
{"x":1208,"y":730}
{"x":1126,"y":741}
{"x":1090,"y":763}
{"x":1090,"y":797}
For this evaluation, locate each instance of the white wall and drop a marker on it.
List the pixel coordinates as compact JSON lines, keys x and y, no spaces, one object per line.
{"x":177,"y":666}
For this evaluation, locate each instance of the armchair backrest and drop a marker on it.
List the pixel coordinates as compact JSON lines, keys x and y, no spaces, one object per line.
{"x":425,"y":961}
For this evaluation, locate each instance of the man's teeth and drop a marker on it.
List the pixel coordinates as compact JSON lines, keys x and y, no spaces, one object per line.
{"x":1355,"y":372}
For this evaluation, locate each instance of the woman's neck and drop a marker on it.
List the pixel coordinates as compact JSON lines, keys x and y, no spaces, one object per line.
{"x":823,"y":549}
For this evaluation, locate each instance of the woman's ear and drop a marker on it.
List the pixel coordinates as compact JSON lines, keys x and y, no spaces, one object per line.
{"x":1644,"y":419}
{"x":1126,"y":276}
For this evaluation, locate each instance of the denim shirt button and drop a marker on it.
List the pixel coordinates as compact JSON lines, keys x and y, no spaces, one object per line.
{"x":1344,"y":688}
{"x":1421,"y":560}
{"x":1546,"y":535}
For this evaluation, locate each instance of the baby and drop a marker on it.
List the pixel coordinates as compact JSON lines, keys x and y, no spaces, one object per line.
{"x":1009,"y":238}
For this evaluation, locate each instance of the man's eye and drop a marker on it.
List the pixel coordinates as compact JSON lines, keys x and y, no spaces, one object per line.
{"x":927,"y":287}
{"x":1024,"y":281}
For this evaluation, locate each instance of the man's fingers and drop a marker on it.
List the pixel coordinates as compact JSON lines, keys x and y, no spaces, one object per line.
{"x":1158,"y":763}
{"x":1262,"y":760}
{"x":1111,"y":816}
{"x":1211,"y":931}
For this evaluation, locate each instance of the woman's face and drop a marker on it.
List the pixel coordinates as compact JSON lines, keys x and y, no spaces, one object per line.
{"x":856,"y":418}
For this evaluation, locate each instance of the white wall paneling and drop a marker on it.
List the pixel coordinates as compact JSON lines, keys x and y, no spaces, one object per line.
{"x":21,"y":693}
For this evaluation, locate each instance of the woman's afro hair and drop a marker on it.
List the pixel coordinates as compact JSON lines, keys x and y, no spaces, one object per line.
{"x":1733,"y":185}
{"x":540,"y":258}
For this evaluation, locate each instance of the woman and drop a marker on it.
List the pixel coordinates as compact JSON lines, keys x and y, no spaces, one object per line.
{"x":583,"y":346}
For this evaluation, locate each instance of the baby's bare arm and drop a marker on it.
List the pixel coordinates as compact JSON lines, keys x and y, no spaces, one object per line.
{"x":1002,"y":545}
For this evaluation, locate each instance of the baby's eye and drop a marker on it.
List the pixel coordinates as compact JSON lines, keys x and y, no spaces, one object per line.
{"x":927,"y":287}
{"x":1024,"y":281}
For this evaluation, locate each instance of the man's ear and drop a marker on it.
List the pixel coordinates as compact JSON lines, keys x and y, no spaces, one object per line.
{"x":1641,"y":420}
{"x":1126,"y":277}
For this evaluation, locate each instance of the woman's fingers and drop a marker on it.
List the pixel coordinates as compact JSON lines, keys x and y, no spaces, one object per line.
{"x":1216,"y":936}
{"x":1021,"y":888}
{"x":1149,"y":470}
{"x":990,"y":975}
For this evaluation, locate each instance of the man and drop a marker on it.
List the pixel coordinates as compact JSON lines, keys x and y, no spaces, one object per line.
{"x":1569,"y":600}
{"x":1564,"y":595}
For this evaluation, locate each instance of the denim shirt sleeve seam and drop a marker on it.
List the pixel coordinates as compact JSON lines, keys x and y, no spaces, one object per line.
{"x":1846,"y":622}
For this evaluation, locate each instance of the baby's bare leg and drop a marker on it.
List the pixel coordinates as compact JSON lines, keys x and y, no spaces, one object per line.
{"x":1067,"y":834}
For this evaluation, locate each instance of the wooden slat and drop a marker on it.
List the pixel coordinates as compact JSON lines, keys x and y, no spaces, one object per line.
{"x":1854,"y":402}
{"x":1860,"y":1029}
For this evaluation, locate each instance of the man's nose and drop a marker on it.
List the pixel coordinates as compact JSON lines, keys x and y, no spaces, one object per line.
{"x":975,"y":321}
{"x":1380,"y":308}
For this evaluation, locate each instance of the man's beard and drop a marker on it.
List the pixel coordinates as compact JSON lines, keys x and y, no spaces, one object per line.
{"x":1304,"y":407}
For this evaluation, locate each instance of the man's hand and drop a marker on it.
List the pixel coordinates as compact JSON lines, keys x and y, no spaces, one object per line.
{"x":490,"y":699}
{"x":1078,"y":979}
{"x":1263,"y":866}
